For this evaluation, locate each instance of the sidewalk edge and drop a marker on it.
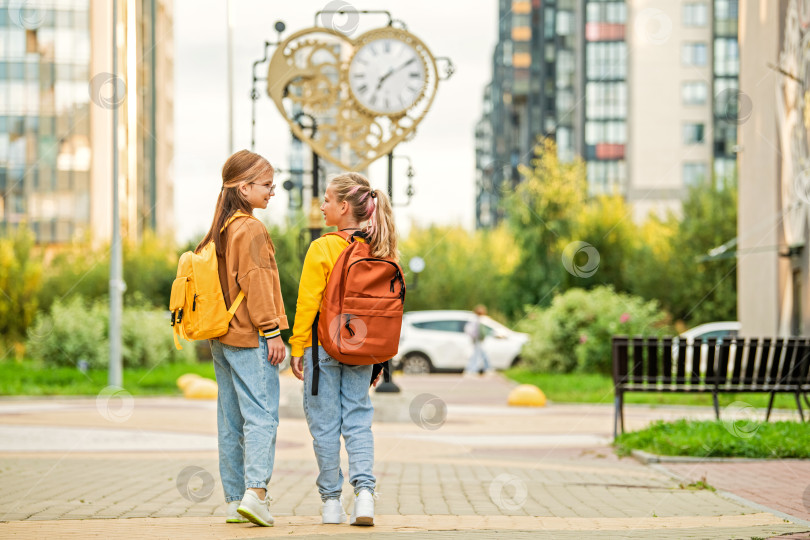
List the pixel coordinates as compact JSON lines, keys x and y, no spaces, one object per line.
{"x":736,"y":498}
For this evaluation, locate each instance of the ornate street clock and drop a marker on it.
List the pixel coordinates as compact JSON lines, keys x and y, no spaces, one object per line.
{"x":387,"y":76}
{"x":367,"y":94}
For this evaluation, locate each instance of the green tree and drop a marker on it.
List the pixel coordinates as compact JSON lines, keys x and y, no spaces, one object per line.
{"x":462,"y":269}
{"x":20,"y":283}
{"x":606,"y":224}
{"x":671,"y":263}
{"x":541,"y":216}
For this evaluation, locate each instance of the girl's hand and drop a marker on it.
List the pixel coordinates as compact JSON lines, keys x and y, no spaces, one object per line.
{"x":377,"y":380}
{"x":276,"y":351}
{"x":297,"y":365}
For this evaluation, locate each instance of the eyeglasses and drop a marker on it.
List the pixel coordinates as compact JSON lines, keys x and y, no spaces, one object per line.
{"x":271,"y":187}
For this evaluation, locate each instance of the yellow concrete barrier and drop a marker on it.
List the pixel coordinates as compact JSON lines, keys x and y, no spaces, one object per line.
{"x":185,"y":380}
{"x":201,"y":389}
{"x":527,"y":395}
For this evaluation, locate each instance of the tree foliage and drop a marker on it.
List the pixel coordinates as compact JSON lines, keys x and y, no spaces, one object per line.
{"x":20,"y":281}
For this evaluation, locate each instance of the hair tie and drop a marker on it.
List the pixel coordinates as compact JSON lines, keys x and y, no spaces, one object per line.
{"x":374,"y":194}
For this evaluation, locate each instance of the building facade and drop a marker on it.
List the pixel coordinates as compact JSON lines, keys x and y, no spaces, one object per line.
{"x":56,"y":107}
{"x":774,"y":168}
{"x":644,"y":91}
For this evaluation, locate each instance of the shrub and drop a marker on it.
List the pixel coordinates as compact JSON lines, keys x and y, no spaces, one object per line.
{"x":574,"y":333}
{"x":70,"y":331}
{"x":149,"y":269}
{"x":77,"y":329}
{"x":147,"y":339}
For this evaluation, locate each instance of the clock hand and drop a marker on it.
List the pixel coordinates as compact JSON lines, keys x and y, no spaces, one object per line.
{"x":392,"y":71}
{"x":382,"y":79}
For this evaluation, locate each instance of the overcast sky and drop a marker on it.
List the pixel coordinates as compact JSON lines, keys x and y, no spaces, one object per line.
{"x":442,"y":151}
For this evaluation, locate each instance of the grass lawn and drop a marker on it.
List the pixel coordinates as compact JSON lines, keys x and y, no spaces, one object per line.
{"x":740,"y":438}
{"x":32,"y":378}
{"x":593,"y":388}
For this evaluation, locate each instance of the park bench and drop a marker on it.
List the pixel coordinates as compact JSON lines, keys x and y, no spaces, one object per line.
{"x":710,"y":366}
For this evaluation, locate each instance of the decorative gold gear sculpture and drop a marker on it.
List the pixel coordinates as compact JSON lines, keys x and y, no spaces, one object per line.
{"x":309,"y":73}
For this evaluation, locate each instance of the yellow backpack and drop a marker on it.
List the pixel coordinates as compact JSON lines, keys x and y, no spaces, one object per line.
{"x":197,"y":304}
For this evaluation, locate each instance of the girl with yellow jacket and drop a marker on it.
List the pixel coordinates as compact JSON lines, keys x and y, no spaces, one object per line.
{"x":342,"y":406}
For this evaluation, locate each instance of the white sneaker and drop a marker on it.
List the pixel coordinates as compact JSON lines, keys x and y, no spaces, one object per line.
{"x":256,"y":510}
{"x":233,"y":516}
{"x":332,"y":511}
{"x":363,"y":512}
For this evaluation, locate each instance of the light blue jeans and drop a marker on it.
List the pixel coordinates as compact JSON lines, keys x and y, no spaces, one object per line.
{"x":342,"y":407}
{"x":478,"y":352}
{"x":247,"y":416}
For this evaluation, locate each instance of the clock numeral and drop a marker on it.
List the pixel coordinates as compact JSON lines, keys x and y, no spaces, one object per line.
{"x":387,"y":104}
{"x":416,"y":75}
{"x":387,"y":46}
{"x":363,"y":89}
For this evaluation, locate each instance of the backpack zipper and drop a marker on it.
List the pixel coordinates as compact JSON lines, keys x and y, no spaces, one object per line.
{"x":194,"y":304}
{"x":397,"y":276}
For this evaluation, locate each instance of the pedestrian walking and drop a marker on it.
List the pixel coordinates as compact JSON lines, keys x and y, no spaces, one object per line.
{"x":479,"y":362}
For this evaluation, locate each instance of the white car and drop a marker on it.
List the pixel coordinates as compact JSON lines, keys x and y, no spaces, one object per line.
{"x":717,"y":330}
{"x":435,"y":341}
{"x":700,"y":333}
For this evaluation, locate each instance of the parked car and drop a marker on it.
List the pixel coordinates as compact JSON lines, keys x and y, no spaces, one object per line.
{"x":712,"y":330}
{"x":435,"y":341}
{"x":717,"y":330}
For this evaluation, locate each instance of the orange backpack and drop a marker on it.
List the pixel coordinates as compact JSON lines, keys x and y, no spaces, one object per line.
{"x":361,"y":312}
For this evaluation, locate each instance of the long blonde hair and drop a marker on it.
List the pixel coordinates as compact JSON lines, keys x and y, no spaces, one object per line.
{"x":243,"y":166}
{"x":372,"y":206}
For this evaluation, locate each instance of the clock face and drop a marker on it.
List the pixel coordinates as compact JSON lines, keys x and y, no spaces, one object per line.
{"x":387,"y":76}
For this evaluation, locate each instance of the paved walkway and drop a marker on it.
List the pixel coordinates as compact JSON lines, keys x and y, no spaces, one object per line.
{"x":450,"y":459}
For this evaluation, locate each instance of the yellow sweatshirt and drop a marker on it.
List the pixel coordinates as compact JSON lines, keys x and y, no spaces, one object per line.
{"x":318,"y":264}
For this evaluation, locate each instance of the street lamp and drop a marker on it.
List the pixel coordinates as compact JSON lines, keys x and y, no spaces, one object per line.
{"x":416,"y":264}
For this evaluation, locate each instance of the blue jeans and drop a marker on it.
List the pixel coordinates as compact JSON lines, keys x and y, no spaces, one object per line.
{"x":478,"y":352}
{"x":247,"y":416}
{"x":342,"y":407}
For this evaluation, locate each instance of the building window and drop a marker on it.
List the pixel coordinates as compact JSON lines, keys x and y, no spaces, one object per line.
{"x":606,"y":60}
{"x":605,"y":100}
{"x":694,"y":173}
{"x":694,"y":54}
{"x":607,"y":12}
{"x":694,"y":92}
{"x":726,"y":57}
{"x":565,"y":23}
{"x":695,"y":14}
{"x":693,"y":133}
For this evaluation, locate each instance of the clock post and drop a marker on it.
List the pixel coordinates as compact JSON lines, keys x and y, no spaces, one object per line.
{"x":368,"y":93}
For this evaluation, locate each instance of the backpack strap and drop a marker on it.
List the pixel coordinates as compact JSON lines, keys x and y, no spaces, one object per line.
{"x":241,"y":295}
{"x":236,"y":302}
{"x":315,"y":367}
{"x":343,"y":234}
{"x":237,"y":214}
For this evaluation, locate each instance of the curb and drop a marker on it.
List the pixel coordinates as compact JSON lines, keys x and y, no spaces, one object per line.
{"x":647,"y":458}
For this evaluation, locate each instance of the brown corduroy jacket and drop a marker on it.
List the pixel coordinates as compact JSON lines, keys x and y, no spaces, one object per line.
{"x":250,"y":266}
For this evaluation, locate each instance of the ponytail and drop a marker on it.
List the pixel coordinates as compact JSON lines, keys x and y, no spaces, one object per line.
{"x":383,"y":234}
{"x":373,"y":207}
{"x":243,"y":166}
